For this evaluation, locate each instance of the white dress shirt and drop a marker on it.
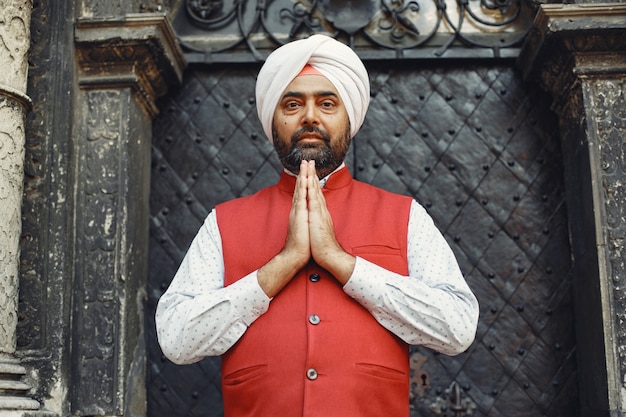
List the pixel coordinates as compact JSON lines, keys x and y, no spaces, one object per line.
{"x":197,"y":316}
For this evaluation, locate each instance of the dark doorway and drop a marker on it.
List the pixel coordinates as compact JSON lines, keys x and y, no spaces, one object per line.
{"x":472,"y":143}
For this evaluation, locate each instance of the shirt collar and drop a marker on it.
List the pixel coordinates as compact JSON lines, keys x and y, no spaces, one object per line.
{"x":339,"y":178}
{"x":324,"y":180}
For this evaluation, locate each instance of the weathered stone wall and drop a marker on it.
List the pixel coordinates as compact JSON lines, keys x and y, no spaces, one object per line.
{"x":578,"y":54}
{"x":14,"y":36}
{"x":14,"y":104}
{"x":84,"y":235}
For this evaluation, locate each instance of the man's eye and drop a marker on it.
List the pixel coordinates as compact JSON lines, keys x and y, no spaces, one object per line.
{"x":327,"y":104}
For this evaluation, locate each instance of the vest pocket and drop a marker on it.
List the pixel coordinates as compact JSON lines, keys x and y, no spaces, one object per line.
{"x":382,"y":372}
{"x":386,"y":256}
{"x":375,"y":250}
{"x":244,"y":375}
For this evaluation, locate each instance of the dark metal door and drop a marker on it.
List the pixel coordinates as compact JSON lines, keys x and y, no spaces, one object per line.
{"x":477,"y":147}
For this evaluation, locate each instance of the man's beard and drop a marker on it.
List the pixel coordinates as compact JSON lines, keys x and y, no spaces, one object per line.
{"x":327,"y":158}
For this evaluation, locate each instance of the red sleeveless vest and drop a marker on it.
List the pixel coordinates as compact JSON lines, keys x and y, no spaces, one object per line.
{"x":316,"y":351}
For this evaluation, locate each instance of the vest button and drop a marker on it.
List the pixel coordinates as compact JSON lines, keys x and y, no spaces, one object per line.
{"x":314,"y":319}
{"x":311,"y":373}
{"x":314,"y":277}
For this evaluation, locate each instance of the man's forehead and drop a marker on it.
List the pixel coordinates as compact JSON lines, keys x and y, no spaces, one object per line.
{"x":311,"y":84}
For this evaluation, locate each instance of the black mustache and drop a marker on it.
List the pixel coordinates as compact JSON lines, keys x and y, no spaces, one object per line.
{"x":310,"y":129}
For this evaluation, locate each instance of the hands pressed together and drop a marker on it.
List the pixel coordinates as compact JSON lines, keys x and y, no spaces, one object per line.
{"x":311,"y":234}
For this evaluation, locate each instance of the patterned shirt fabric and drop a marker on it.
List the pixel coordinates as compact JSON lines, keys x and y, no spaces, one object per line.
{"x":197,"y":316}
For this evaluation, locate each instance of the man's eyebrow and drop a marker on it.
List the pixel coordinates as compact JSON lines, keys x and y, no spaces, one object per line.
{"x":298,"y":94}
{"x":292,"y":94}
{"x":326,"y":94}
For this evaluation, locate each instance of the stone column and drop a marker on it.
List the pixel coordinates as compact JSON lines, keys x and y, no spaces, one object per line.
{"x":14,"y":104}
{"x":578,"y":53}
{"x":125,"y":64}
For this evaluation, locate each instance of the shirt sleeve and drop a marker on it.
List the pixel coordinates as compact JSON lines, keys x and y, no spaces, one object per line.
{"x":433,"y":306}
{"x":197,"y":316}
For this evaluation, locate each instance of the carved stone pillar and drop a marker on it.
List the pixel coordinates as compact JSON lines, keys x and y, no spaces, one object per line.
{"x":124,"y":64}
{"x":578,"y":53}
{"x":14,"y":104}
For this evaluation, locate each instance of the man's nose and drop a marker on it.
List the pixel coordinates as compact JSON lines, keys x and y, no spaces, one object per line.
{"x":311,"y":115}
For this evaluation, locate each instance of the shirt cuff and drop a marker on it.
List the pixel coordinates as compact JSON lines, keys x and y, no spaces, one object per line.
{"x":249,"y":300}
{"x":367,"y":283}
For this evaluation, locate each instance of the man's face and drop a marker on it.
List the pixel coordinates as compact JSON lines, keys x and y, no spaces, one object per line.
{"x":311,"y":123}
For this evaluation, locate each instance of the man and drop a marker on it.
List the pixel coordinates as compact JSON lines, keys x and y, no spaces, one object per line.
{"x":313,"y":288}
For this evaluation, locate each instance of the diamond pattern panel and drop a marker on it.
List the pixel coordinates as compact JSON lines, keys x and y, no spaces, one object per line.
{"x":475,"y":145}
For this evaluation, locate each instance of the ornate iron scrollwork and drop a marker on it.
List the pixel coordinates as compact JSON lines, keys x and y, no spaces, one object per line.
{"x":204,"y":11}
{"x":302,"y":17}
{"x":399,"y":23}
{"x":241,"y":30}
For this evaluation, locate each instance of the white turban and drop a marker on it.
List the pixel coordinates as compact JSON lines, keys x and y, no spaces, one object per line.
{"x":333,"y":59}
